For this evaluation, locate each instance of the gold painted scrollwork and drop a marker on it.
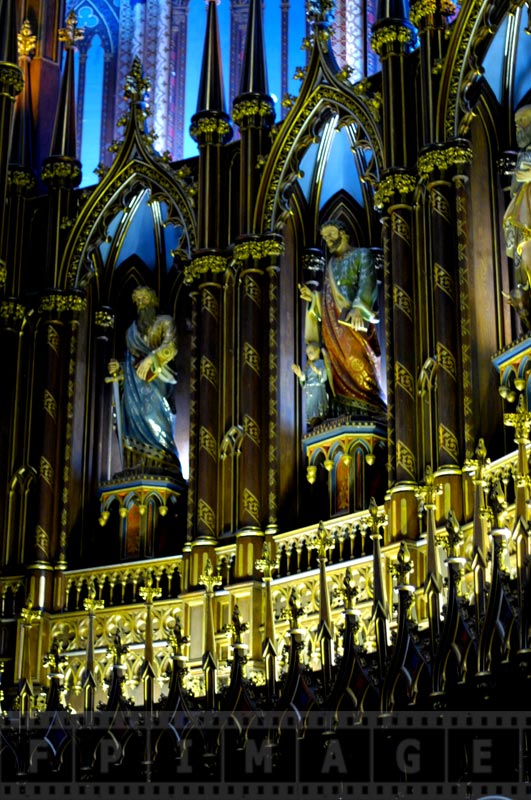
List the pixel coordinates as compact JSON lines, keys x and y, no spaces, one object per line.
{"x":448,"y":441}
{"x":207,"y":442}
{"x":251,"y":504}
{"x":251,"y":358}
{"x":208,"y":370}
{"x":251,"y":429}
{"x":206,"y":515}
{"x":46,"y":471}
{"x":403,"y":301}
{"x":405,"y":458}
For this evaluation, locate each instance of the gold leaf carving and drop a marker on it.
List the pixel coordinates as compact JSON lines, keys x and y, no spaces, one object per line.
{"x":444,"y":281}
{"x":448,"y":441}
{"x":252,"y":290}
{"x":405,"y":458}
{"x":251,"y":429}
{"x":446,"y":360}
{"x":440,"y":204}
{"x":46,"y":471}
{"x":401,"y":228}
{"x":53,"y":339}
{"x":209,"y":371}
{"x":403,"y":301}
{"x":209,"y":303}
{"x":251,"y":504}
{"x":205,"y":515}
{"x":251,"y":357}
{"x":207,"y":442}
{"x":50,"y":404}
{"x":404,"y":379}
{"x":41,"y":538}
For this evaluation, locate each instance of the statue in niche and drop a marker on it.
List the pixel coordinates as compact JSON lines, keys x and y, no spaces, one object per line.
{"x":342,"y":318}
{"x":313,"y":381}
{"x":517,"y":218}
{"x":145,"y":413}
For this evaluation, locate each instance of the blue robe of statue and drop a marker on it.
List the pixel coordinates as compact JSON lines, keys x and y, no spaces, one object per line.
{"x":147,"y":415}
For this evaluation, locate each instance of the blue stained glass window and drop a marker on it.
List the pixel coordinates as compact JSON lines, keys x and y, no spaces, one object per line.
{"x":91,"y":129}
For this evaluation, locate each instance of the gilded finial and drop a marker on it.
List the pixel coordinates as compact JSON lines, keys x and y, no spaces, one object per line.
{"x":29,"y":615}
{"x":453,"y":537}
{"x":349,"y":592}
{"x":428,"y":491}
{"x":402,"y":566}
{"x":54,"y":658}
{"x":237,"y":626}
{"x":294,"y":609}
{"x":148,"y":593}
{"x":374,"y":520}
{"x":266,"y":564}
{"x":71,"y":34}
{"x":176,"y":639}
{"x":136,"y":85}
{"x":323,"y":540}
{"x":208,"y":579}
{"x":117,"y":649}
{"x":91,"y":603}
{"x":26,"y":40}
{"x":519,"y":420}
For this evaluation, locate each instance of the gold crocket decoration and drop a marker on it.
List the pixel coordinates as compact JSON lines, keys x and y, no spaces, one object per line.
{"x":208,"y":579}
{"x":26,"y":40}
{"x":71,"y":34}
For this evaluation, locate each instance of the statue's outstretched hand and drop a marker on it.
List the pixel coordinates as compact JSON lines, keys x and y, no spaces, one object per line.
{"x":297,"y":370}
{"x":113,"y":366}
{"x":355,"y":318}
{"x":143,"y":368}
{"x":305,"y":292}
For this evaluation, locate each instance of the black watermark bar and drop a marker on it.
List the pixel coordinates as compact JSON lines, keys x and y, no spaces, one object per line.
{"x":320,"y":754}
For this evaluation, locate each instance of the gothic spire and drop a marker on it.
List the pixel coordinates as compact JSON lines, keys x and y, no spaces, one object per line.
{"x":8,"y":28}
{"x":211,"y":95}
{"x":64,"y":132}
{"x":392,"y":9}
{"x":254,"y":71}
{"x":21,"y":148}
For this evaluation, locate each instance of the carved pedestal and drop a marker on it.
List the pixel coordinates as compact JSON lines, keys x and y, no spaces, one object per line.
{"x":348,"y":456}
{"x":140,"y":512}
{"x":513,"y":364}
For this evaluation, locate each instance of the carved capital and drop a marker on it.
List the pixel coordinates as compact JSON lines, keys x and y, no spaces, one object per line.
{"x":60,"y":303}
{"x":20,"y":179}
{"x":258,"y":248}
{"x":11,"y":312}
{"x":395,"y":187}
{"x":422,"y":9}
{"x":203,"y":264}
{"x":104,"y":318}
{"x":61,"y":172}
{"x":393,"y":35}
{"x":440,"y":158}
{"x":253,"y":109}
{"x":11,"y":80}
{"x":211,"y":127}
